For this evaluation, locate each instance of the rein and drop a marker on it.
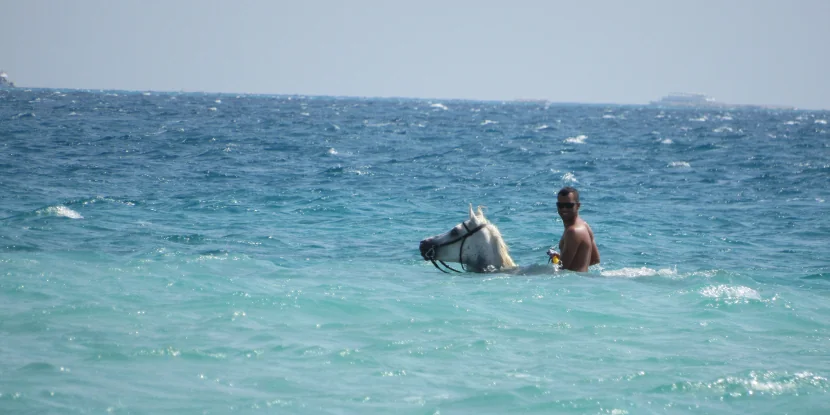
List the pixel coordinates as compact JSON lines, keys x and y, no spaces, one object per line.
{"x":431,"y":253}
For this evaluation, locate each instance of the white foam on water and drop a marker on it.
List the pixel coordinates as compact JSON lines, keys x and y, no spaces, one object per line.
{"x":580,"y":139}
{"x":680,"y":164}
{"x":667,"y":141}
{"x":730,"y":293}
{"x":332,"y":151}
{"x":821,"y":122}
{"x":99,"y":198}
{"x":62,"y":211}
{"x":723,"y":129}
{"x":700,"y":119}
{"x":439,"y":106}
{"x":638,"y":272}
{"x":487,"y":122}
{"x":569,"y":177}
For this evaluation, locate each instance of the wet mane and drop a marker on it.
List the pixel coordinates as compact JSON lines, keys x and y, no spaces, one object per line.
{"x":501,"y":247}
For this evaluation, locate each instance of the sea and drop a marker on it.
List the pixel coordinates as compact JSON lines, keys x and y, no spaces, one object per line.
{"x":205,"y":253}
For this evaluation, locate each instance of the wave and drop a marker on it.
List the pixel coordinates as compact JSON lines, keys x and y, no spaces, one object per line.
{"x":638,"y":272}
{"x":580,"y":139}
{"x":731,"y":294}
{"x":61,"y":211}
{"x":819,"y":276}
{"x":64,"y":210}
{"x":187,"y":239}
{"x":755,"y":383}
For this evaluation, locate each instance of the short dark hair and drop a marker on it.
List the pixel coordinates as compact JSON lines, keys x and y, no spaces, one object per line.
{"x":568,"y":190}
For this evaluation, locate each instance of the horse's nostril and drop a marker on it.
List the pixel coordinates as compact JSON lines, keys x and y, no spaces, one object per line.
{"x":424,"y":247}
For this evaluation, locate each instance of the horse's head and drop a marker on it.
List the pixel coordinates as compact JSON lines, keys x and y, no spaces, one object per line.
{"x":475,"y":243}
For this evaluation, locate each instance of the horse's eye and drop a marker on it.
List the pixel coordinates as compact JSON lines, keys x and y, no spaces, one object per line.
{"x":454,"y":232}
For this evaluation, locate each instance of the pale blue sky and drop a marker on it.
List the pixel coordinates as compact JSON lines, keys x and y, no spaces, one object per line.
{"x":739,"y":51}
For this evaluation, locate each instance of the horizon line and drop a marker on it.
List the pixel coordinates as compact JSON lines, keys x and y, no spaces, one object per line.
{"x":546,"y":101}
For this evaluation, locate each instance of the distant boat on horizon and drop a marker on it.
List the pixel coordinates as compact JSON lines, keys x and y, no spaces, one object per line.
{"x":695,"y":100}
{"x":532,"y":100}
{"x":686,"y":99}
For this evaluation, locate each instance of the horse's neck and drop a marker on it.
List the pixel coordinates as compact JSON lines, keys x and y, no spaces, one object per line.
{"x":485,"y":253}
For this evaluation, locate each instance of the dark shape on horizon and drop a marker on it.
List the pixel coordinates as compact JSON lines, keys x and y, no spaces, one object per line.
{"x":690,"y":100}
{"x":4,"y":80}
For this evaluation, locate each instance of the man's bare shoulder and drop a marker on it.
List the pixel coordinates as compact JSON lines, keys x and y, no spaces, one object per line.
{"x":577,"y":231}
{"x":590,"y":231}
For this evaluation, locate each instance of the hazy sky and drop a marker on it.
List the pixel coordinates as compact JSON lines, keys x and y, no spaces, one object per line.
{"x":625,"y":51}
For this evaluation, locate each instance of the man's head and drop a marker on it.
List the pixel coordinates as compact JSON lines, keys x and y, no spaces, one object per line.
{"x":567,"y":203}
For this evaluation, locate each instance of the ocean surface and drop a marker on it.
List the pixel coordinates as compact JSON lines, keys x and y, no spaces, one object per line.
{"x":190,"y":253}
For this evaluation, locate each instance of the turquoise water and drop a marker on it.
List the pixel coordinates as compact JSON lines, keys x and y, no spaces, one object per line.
{"x":211,"y":254}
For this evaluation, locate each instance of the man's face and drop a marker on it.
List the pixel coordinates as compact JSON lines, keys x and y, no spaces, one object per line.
{"x":567,"y":207}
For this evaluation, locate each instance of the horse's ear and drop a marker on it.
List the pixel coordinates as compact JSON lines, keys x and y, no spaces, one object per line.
{"x":472,"y":215}
{"x":480,"y":213}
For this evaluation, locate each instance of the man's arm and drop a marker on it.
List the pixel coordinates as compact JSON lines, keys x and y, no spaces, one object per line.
{"x":594,"y":249}
{"x":576,"y":249}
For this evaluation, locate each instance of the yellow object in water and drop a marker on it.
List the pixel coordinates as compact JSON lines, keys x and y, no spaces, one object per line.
{"x":556,"y":260}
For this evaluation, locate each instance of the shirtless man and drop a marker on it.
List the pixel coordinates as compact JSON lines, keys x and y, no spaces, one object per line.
{"x":579,"y":250}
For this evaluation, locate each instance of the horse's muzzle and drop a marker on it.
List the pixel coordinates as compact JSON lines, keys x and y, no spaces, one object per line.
{"x":427,"y":249}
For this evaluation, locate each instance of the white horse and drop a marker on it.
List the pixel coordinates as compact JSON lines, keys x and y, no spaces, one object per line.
{"x":475,"y":243}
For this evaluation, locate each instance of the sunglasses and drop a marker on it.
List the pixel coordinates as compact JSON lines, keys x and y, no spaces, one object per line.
{"x":568,"y":205}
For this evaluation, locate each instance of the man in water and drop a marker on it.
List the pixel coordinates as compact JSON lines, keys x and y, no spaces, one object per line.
{"x":579,"y":250}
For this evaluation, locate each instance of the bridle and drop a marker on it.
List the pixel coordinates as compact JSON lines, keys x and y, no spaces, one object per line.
{"x":430,"y":255}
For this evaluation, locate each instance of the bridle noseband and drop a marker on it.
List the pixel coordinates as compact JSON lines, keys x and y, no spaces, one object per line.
{"x":430,"y":255}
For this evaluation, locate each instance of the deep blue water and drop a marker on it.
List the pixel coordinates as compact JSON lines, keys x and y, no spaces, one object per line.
{"x":214,"y":253}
